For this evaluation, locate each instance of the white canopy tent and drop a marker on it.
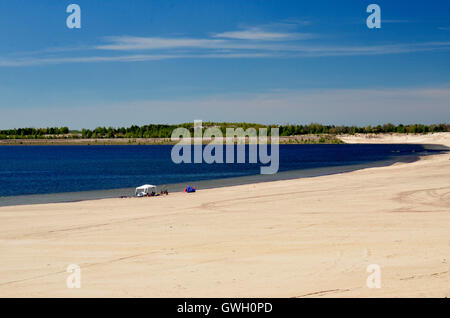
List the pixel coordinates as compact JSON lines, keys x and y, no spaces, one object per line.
{"x":145,"y":189}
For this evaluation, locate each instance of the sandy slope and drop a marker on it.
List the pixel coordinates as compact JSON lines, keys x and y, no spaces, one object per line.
{"x":435,"y":138}
{"x":297,"y":238}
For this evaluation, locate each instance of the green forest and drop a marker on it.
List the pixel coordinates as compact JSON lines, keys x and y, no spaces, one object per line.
{"x":165,"y":131}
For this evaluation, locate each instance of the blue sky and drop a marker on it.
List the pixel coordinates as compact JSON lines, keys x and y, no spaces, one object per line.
{"x":140,"y":62}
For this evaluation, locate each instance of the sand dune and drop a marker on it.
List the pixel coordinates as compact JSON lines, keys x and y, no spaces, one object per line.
{"x":312,"y":237}
{"x":435,"y":138}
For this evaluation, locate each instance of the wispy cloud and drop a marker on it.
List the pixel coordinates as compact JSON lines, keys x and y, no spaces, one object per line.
{"x":368,"y":50}
{"x":395,"y":21}
{"x":89,"y":59}
{"x":261,"y":35}
{"x":128,"y":43}
{"x":269,"y":41}
{"x":124,"y":58}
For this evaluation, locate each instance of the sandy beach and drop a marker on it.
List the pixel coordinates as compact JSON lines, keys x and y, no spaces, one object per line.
{"x":308,"y":237}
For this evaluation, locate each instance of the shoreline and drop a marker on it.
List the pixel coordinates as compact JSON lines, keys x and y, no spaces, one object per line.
{"x":298,"y":139}
{"x":67,"y":197}
{"x":295,"y":139}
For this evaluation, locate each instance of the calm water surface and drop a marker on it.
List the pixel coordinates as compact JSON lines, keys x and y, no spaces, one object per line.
{"x":55,"y":169}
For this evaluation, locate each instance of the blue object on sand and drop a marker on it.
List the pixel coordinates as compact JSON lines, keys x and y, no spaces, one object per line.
{"x":189,"y":189}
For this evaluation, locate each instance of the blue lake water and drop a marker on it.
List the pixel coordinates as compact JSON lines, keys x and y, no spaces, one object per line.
{"x":56,"y":169}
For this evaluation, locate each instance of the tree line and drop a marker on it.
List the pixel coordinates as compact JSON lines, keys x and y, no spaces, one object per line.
{"x":34,"y":132}
{"x":165,"y":131}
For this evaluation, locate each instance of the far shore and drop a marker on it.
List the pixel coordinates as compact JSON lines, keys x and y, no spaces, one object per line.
{"x":298,"y":139}
{"x":302,"y":139}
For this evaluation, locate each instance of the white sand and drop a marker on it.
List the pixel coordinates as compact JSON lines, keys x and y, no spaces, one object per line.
{"x":297,"y":238}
